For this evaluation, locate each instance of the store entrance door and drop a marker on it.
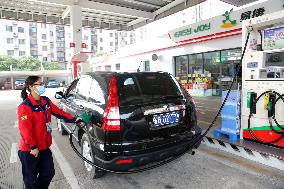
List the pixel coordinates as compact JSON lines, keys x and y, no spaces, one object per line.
{"x":229,"y":70}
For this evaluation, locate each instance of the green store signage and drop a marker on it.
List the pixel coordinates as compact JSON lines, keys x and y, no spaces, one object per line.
{"x":189,"y":31}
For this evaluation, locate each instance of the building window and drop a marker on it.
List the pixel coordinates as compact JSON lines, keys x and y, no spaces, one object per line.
{"x":44,"y":59}
{"x":51,"y":33}
{"x":117,"y":66}
{"x":59,"y":35}
{"x":44,"y":48}
{"x":86,"y":37}
{"x":10,"y":52}
{"x":21,"y":29}
{"x":9,"y":40}
{"x":111,"y":44}
{"x":111,"y":34}
{"x":51,"y":45}
{"x":43,"y":36}
{"x":101,"y":39}
{"x":60,"y":54}
{"x":101,"y":48}
{"x":108,"y":68}
{"x":60,"y":44}
{"x":32,"y":31}
{"x":101,"y":30}
{"x":33,"y":45}
{"x":93,"y":48}
{"x":22,"y":53}
{"x":43,"y":26}
{"x":34,"y":53}
{"x":9,"y":28}
{"x":21,"y":41}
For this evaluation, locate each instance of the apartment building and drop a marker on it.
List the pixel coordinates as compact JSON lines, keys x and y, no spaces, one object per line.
{"x":50,"y":42}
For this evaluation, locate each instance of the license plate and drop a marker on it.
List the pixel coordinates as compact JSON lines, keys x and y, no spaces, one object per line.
{"x":166,"y":119}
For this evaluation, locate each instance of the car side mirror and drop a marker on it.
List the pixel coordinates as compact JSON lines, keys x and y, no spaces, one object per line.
{"x":59,"y":95}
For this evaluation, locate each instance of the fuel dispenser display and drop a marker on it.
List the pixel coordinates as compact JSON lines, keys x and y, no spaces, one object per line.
{"x":263,"y":81}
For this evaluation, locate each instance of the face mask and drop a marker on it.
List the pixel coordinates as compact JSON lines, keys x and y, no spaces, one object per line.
{"x":40,"y":90}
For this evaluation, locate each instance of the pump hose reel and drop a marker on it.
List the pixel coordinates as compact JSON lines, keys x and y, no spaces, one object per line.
{"x":272,"y":117}
{"x":195,"y":140}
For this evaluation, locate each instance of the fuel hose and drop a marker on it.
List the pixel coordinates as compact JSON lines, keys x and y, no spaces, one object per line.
{"x":195,"y":141}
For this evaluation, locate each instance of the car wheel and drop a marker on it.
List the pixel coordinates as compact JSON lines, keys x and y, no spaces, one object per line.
{"x":92,"y":172}
{"x":60,"y":128}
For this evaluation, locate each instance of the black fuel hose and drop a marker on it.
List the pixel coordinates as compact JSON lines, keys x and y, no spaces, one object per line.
{"x":195,"y":141}
{"x":251,"y":114}
{"x":273,"y":117}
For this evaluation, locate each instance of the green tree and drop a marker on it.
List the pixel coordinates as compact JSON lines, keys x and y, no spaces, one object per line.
{"x":6,"y":62}
{"x":28,"y":63}
{"x":51,"y":66}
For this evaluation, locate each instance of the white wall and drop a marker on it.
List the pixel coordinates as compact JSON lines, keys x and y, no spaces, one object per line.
{"x":165,"y":62}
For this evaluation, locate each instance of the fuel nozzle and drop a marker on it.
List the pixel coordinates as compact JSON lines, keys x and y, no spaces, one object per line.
{"x":251,"y":102}
{"x":271,"y":105}
{"x":86,"y":117}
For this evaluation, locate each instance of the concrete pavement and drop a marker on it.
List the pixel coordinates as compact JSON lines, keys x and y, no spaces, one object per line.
{"x":209,"y":168}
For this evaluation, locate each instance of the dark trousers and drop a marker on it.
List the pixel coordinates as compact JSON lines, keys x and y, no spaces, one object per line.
{"x":37,"y":171}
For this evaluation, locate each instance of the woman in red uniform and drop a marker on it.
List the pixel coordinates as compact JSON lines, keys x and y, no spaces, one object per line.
{"x":34,"y":115}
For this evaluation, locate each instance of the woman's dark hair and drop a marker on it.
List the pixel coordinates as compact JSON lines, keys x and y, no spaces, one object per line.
{"x":28,"y":82}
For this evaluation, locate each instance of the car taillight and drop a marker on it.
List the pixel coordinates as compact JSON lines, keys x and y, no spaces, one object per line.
{"x":190,"y":98}
{"x":111,"y":115}
{"x":124,"y":161}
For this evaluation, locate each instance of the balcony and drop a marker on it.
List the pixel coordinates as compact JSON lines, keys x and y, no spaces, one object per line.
{"x":60,"y":49}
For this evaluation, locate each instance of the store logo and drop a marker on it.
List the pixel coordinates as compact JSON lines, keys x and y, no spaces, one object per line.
{"x":227,"y":23}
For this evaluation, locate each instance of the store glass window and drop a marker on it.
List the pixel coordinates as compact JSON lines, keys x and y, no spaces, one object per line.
{"x":212,"y":70}
{"x":147,"y":66}
{"x":195,"y":62}
{"x":181,"y":65}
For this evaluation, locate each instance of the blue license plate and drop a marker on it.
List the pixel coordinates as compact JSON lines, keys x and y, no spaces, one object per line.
{"x":166,"y":119}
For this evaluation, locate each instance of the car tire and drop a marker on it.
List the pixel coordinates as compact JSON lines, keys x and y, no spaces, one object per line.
{"x":60,"y":128}
{"x":92,"y":172}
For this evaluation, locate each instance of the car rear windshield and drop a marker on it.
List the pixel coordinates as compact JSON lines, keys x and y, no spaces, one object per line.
{"x":146,"y":87}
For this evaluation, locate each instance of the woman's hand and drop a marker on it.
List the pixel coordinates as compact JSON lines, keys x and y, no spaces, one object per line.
{"x":34,"y":152}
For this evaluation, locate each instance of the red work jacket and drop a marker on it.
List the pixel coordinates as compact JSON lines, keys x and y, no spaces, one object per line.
{"x":32,"y":122}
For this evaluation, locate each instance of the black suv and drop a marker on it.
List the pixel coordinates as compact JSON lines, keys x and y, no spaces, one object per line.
{"x":138,"y":118}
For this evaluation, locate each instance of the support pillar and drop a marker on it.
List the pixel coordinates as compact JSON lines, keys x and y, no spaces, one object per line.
{"x":76,"y":34}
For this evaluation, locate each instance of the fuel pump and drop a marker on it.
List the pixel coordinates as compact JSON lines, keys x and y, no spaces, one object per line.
{"x":262,"y":115}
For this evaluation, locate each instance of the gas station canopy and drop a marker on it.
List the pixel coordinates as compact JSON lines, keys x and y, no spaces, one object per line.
{"x":104,"y":14}
{"x":238,"y":3}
